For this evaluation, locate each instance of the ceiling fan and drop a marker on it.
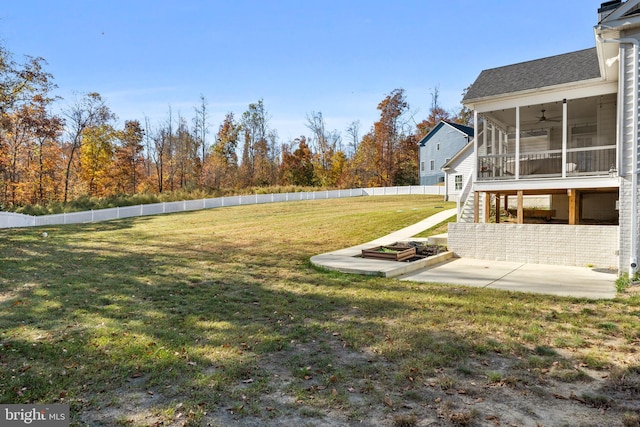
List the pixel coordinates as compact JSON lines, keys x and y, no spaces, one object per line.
{"x":544,"y":118}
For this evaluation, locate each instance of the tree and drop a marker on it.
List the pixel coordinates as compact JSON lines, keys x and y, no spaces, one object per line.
{"x":129,"y":162}
{"x":465,"y":115}
{"x":24,"y":96}
{"x":96,"y":159}
{"x":326,"y":145}
{"x":90,"y":111}
{"x":258,"y":151}
{"x":436,"y":115}
{"x":297,"y":166}
{"x":200,"y":131}
{"x":388,"y":131}
{"x":223,"y":164}
{"x":353,"y":132}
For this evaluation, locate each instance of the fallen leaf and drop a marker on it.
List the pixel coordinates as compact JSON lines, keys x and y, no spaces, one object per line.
{"x":388,"y":401}
{"x":149,"y":392}
{"x":248,"y":381}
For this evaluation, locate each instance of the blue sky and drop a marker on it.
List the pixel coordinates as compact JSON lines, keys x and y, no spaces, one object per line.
{"x":337,"y":57}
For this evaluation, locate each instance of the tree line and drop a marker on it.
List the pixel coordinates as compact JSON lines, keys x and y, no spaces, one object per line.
{"x":50,"y":157}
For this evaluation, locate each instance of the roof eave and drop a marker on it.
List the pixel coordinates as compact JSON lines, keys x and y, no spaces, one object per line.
{"x":471,"y":103}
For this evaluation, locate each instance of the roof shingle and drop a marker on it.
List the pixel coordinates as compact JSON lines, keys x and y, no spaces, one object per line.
{"x":540,"y":73}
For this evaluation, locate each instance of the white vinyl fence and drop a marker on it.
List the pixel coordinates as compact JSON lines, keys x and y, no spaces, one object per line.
{"x":12,"y":220}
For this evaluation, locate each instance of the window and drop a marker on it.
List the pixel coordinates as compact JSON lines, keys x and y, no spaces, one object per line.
{"x":432,"y":165}
{"x":458,"y":179}
{"x":421,"y":166}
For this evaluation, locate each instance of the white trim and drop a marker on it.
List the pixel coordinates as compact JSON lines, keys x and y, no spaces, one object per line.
{"x":547,"y":184}
{"x":594,"y":87}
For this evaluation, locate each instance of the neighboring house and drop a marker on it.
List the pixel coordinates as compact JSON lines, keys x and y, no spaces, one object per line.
{"x":565,"y":127}
{"x":438,"y":147}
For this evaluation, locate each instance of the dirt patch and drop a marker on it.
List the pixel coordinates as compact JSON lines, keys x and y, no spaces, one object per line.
{"x":304,"y":389}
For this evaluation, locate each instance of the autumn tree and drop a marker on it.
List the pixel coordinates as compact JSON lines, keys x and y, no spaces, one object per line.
{"x":89,"y":111}
{"x":96,"y":159}
{"x":128,"y":166}
{"x":366,"y":164}
{"x":388,"y":132}
{"x":297,"y":167}
{"x":25,"y":93}
{"x":325,"y":144}
{"x":222,"y":167}
{"x":259,"y":154}
{"x":43,"y":178}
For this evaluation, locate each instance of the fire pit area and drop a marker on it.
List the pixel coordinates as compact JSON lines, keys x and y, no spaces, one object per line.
{"x":403,"y":251}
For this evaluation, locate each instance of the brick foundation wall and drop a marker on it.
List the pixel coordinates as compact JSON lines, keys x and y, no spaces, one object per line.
{"x":574,"y":245}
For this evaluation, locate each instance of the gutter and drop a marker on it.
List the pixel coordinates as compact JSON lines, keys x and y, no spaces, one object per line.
{"x":633,"y":259}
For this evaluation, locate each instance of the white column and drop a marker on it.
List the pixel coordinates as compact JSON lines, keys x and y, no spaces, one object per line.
{"x":565,"y":129}
{"x":517,"y":161}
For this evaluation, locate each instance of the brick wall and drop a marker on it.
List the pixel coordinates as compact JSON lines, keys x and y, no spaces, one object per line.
{"x":574,"y":245}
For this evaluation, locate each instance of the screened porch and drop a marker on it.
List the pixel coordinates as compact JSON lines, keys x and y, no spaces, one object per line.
{"x":568,"y":138}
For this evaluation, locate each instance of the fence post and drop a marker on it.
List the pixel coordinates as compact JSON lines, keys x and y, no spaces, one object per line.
{"x":164,"y":208}
{"x":141,"y":209}
{"x":92,"y":215}
{"x":117,"y":212}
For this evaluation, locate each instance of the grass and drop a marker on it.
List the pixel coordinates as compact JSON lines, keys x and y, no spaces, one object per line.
{"x":181,"y":316}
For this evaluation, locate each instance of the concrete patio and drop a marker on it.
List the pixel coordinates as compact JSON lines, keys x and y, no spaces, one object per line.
{"x":558,"y":280}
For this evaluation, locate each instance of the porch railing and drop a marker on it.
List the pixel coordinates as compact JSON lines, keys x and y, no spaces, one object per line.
{"x":580,"y":161}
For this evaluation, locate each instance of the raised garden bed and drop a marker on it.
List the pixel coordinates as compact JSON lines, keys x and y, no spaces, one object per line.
{"x":389,"y":253}
{"x":403,"y":251}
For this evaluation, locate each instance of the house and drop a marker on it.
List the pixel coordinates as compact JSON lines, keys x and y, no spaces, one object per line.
{"x":457,"y":170}
{"x":438,"y":147}
{"x":565,"y":127}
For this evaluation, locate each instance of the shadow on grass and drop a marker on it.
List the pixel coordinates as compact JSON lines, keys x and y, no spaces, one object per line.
{"x":90,"y":318}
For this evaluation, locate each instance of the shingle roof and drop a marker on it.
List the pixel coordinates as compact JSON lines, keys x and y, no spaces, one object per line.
{"x":545,"y":72}
{"x":461,"y":128}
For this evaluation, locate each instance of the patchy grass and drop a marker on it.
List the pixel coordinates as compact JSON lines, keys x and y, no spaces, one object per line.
{"x":216,"y":317}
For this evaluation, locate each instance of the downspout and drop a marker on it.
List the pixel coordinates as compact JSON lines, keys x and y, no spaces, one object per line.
{"x":633,"y":261}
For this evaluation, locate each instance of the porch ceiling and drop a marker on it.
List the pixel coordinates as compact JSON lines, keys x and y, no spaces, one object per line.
{"x":531,"y":114}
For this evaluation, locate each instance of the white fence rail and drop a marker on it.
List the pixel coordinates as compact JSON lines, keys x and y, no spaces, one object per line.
{"x":13,"y":220}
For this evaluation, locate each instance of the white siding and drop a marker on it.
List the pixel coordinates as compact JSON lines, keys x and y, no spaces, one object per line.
{"x":628,"y":85}
{"x":462,"y":166}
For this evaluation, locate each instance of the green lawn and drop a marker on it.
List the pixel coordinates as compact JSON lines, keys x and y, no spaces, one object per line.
{"x":216,"y":317}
